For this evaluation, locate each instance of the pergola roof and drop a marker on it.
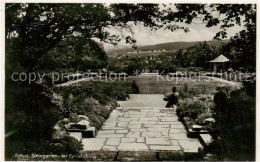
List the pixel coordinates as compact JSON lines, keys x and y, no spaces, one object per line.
{"x":220,"y":59}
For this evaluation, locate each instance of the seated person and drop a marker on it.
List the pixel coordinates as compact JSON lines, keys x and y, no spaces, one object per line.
{"x":173,"y":98}
{"x":135,"y":88}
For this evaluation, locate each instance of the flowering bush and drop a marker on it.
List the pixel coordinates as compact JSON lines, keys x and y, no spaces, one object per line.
{"x":201,"y":120}
{"x":195,"y":110}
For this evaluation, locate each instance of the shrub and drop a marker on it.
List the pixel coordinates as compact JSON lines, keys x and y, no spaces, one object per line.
{"x":64,"y":145}
{"x":95,"y":120}
{"x":250,"y":85}
{"x":220,"y":100}
{"x":70,"y":144}
{"x":30,"y":117}
{"x":73,"y":118}
{"x":104,"y":112}
{"x":202,"y":117}
{"x":236,"y":127}
{"x":101,"y":91}
{"x":44,"y":147}
{"x":187,"y":92}
{"x":122,"y":96}
{"x":192,"y":109}
{"x":203,"y":99}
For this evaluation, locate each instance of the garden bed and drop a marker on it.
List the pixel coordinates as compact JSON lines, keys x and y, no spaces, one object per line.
{"x":85,"y":106}
{"x":195,"y":112}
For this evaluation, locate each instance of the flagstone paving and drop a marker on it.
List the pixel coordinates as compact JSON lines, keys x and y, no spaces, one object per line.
{"x":138,"y":132}
{"x":142,"y":129}
{"x":144,"y":100}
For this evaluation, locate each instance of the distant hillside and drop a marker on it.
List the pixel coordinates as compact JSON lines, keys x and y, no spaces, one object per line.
{"x":171,"y":46}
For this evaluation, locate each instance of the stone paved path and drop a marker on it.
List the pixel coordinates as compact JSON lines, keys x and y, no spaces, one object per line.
{"x":142,"y":129}
{"x":144,"y":100}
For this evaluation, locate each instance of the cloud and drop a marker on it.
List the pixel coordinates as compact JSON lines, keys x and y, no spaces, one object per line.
{"x":198,"y":32}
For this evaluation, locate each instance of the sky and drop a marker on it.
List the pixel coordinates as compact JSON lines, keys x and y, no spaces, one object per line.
{"x":198,"y":32}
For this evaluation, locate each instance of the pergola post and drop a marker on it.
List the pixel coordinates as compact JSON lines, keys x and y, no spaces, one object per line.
{"x":215,"y":67}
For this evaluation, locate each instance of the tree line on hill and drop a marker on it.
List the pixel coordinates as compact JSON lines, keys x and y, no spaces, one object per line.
{"x":168,"y":46}
{"x":198,"y":56}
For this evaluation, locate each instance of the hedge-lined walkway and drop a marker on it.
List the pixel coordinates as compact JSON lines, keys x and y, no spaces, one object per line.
{"x":143,"y":128}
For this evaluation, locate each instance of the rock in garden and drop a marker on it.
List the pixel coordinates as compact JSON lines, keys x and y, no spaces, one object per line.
{"x":66,"y":120}
{"x":83,"y":124}
{"x":196,"y":127}
{"x":209,"y":120}
{"x":67,"y":126}
{"x":83,"y":117}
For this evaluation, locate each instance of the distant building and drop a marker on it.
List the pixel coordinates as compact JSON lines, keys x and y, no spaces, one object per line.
{"x":219,"y":63}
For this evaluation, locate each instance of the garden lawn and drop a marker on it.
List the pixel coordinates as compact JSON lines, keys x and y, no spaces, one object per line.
{"x":161,"y":85}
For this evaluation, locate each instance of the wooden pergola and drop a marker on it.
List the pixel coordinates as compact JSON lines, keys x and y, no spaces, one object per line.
{"x":220,"y":60}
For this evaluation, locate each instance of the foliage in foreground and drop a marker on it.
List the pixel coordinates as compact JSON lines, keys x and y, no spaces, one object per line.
{"x":31,"y":121}
{"x":235,"y":125}
{"x":233,"y":129}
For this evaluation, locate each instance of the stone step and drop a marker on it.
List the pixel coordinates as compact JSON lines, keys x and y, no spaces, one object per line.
{"x":195,"y":134}
{"x":205,"y":139}
{"x":86,"y":133}
{"x":196,"y":127}
{"x":76,"y":135}
{"x":146,"y":108}
{"x":89,"y":133}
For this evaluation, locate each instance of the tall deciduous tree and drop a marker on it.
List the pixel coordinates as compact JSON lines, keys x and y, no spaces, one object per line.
{"x":225,"y":16}
{"x":34,"y":29}
{"x":74,"y":53}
